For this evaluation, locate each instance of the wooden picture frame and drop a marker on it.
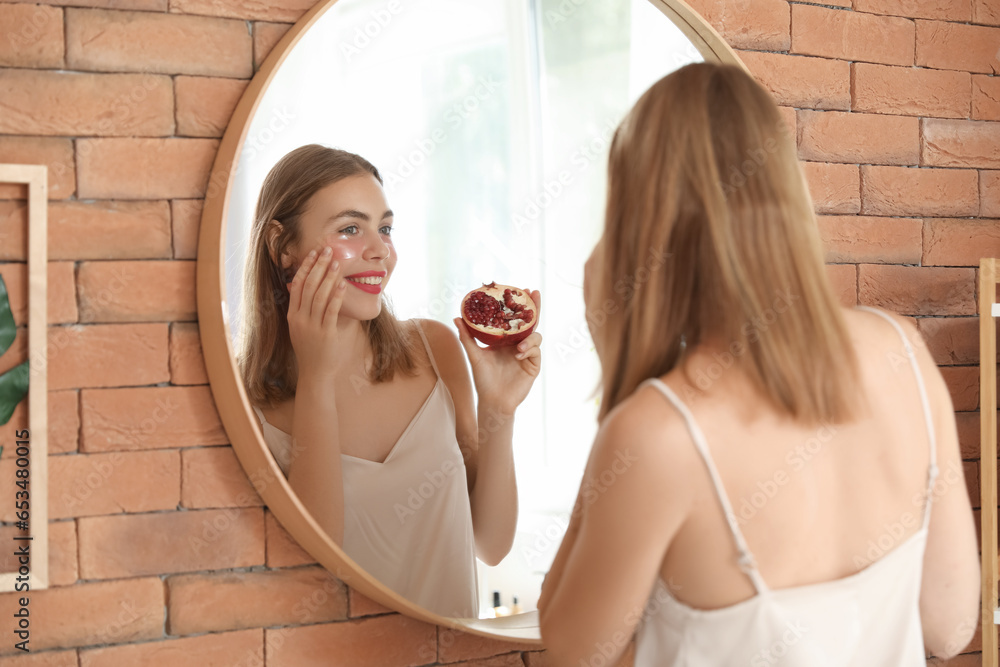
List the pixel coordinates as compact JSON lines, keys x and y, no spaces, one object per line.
{"x":989,"y":310}
{"x":240,"y":422}
{"x":35,"y":177}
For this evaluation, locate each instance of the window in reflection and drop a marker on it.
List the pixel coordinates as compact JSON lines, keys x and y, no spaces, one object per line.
{"x":490,"y":122}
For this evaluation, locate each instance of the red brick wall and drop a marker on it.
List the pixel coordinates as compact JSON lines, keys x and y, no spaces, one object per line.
{"x":156,"y":536}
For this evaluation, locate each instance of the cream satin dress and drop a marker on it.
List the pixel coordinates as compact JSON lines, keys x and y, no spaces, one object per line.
{"x":869,"y":619}
{"x":407,"y":520}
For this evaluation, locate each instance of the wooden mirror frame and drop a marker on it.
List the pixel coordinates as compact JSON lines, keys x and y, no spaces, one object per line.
{"x":239,"y":421}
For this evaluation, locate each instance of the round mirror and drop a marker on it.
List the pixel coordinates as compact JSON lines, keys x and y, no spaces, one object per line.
{"x":490,"y":123}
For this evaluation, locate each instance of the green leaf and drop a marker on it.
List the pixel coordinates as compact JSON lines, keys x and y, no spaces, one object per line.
{"x":13,"y":387}
{"x":8,"y":330}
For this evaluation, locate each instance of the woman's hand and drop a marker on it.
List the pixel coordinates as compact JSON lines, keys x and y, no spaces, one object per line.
{"x":504,"y":375}
{"x":315,"y":295}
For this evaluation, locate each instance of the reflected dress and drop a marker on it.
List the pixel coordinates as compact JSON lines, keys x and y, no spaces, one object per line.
{"x":408,"y":519}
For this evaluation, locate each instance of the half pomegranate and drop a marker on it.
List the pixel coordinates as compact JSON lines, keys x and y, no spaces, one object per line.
{"x":499,"y":315}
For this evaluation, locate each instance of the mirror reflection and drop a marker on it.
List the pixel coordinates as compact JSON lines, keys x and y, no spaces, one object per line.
{"x":488,"y":125}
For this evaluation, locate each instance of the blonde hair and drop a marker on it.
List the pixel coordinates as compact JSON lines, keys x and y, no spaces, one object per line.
{"x":265,"y":357}
{"x":709,"y":228}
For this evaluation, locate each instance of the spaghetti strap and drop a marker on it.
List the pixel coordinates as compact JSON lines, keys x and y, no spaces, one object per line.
{"x":260,"y":415}
{"x":746,"y":559}
{"x":932,"y":470}
{"x":430,"y":355}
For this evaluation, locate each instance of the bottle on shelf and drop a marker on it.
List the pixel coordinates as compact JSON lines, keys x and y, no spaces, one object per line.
{"x":498,"y":608}
{"x":515,"y":608}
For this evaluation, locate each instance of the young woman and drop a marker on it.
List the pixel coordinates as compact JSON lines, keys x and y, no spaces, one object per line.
{"x":775,"y":479}
{"x":373,"y":420}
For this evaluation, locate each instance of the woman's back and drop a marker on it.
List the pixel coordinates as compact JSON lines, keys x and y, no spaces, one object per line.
{"x":817,"y":509}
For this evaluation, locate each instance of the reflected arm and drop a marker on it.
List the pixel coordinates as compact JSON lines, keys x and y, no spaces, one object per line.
{"x":484,"y":436}
{"x":315,"y":471}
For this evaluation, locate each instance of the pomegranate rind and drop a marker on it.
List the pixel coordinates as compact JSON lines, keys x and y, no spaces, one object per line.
{"x":495,"y":337}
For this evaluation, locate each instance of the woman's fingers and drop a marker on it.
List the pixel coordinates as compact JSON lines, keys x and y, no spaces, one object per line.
{"x":298,"y":280}
{"x":338,"y":286}
{"x":312,"y":301}
{"x":471,"y":347}
{"x":529,"y":347}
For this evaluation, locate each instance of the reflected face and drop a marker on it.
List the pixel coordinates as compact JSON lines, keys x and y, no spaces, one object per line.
{"x":353,"y":217}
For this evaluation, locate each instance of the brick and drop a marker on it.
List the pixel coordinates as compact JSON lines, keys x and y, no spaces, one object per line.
{"x":107,"y":355}
{"x":64,"y":421}
{"x":32,"y":36}
{"x":62,"y":553}
{"x":986,"y":12}
{"x":945,"y":10}
{"x":762,"y":26}
{"x":907,"y":191}
{"x":362,"y":605}
{"x":142,"y":5}
{"x":961,"y":143}
{"x":283,"y":550}
{"x":45,"y":659}
{"x":234,"y":600}
{"x":381,"y":641}
{"x":55,"y":153}
{"x":512,"y":660}
{"x":971,"y":470}
{"x":13,"y":228}
{"x":187,"y":365}
{"x":847,"y":35}
{"x":109,"y":41}
{"x":799,"y":81}
{"x":835,"y":188}
{"x":265,"y":37}
{"x":186,"y":222}
{"x":212,"y":477}
{"x":911,"y":91}
{"x":60,"y":297}
{"x":204,"y":104}
{"x":844,"y":283}
{"x":871,"y":240}
{"x":215,"y":650}
{"x":148,"y":418}
{"x":144,"y":168}
{"x":92,"y":613}
{"x":967,"y":424}
{"x":61,"y":293}
{"x":109,"y":230}
{"x":263,"y":10}
{"x":963,"y":385}
{"x":131,"y":545}
{"x":961,"y":242}
{"x":952,"y":340}
{"x":985,"y":97}
{"x":113,"y":483}
{"x":454,"y":645}
{"x":917,"y":290}
{"x":136,"y":291}
{"x":966,"y":48}
{"x":833,"y":136}
{"x":989,"y":194}
{"x":829,"y":3}
{"x":71,"y":103}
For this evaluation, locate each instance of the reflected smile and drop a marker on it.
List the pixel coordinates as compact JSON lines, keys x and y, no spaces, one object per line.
{"x":367,"y":281}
